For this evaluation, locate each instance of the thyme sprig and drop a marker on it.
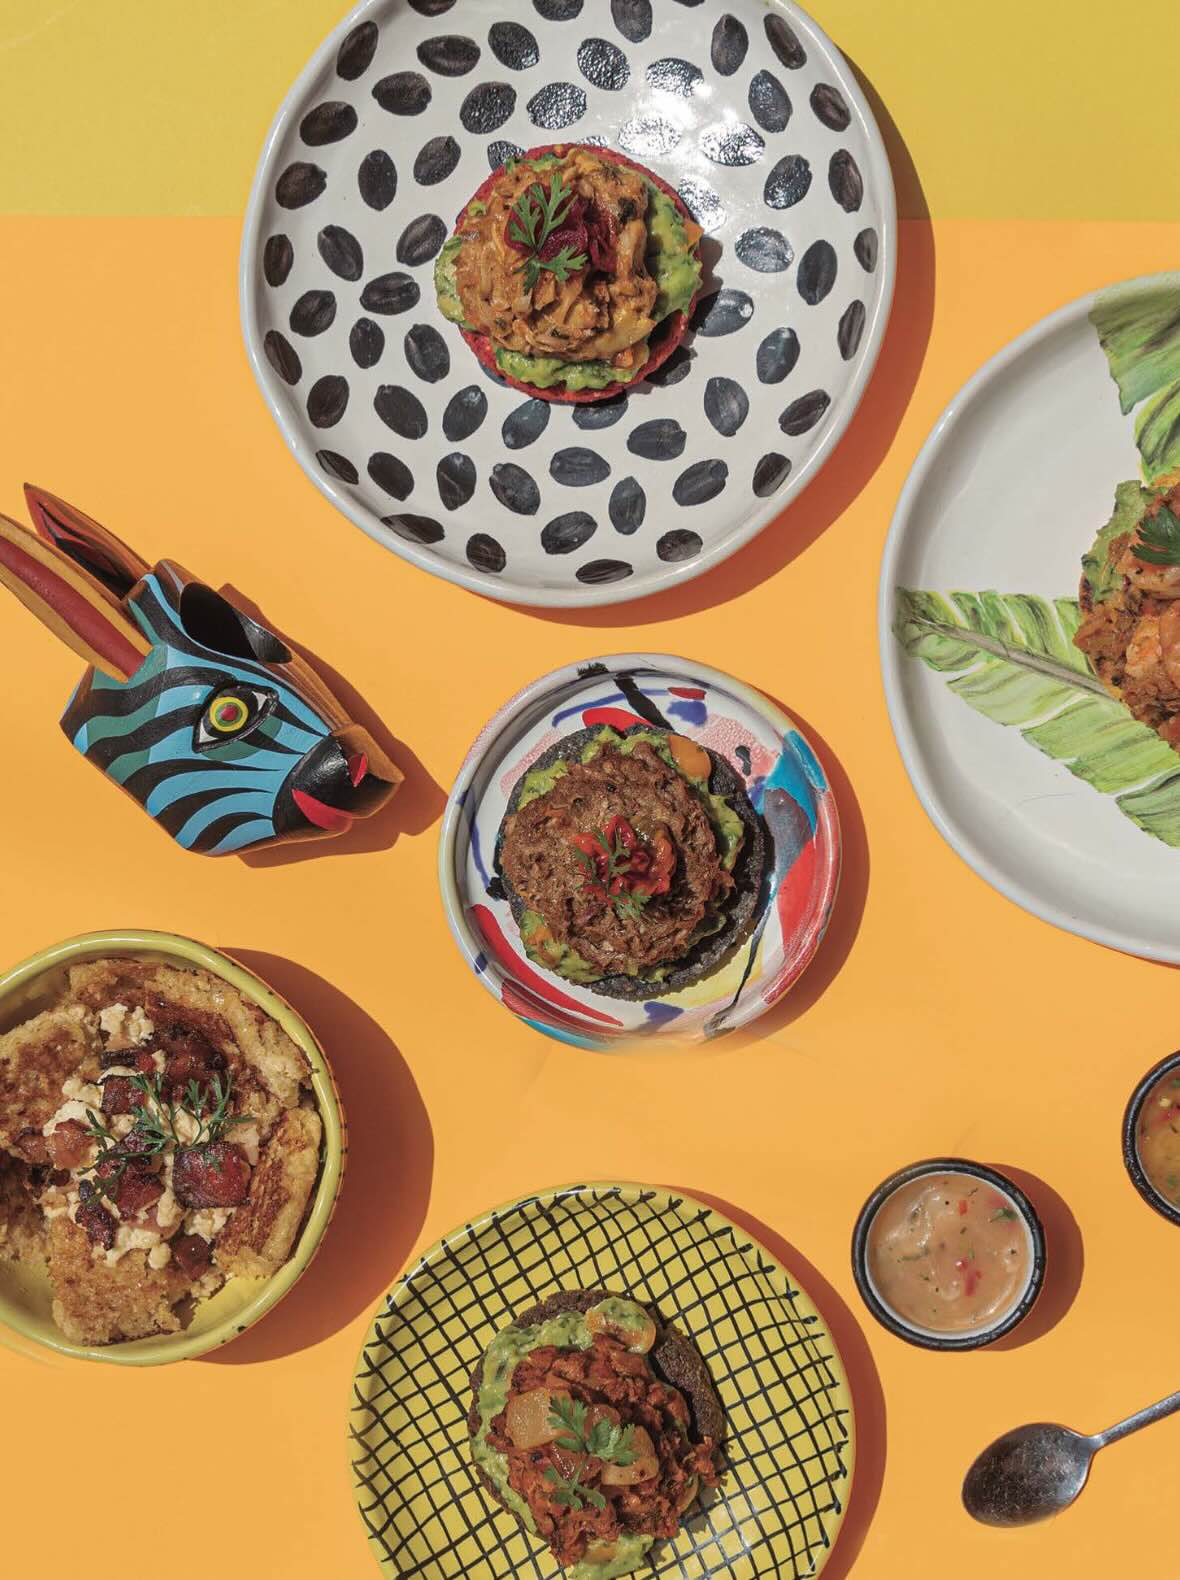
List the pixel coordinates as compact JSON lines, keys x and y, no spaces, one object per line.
{"x":155,"y":1130}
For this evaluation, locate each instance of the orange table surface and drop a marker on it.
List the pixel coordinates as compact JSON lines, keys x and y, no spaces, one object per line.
{"x":938,"y":1018}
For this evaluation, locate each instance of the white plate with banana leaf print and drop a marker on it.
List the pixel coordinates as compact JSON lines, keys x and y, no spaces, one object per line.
{"x":1042,"y":782}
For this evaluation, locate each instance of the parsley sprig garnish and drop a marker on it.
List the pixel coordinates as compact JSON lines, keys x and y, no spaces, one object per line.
{"x":605,"y":1441}
{"x":536,"y":214}
{"x":1159,"y":539}
{"x":155,"y":1130}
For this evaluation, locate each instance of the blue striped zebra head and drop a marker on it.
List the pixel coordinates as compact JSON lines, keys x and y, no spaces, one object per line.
{"x":226,"y":737}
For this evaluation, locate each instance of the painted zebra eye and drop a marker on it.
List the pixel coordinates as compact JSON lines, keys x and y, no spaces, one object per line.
{"x":230,"y":713}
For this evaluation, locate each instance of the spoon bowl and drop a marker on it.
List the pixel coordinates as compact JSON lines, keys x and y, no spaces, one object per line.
{"x":1029,"y":1474}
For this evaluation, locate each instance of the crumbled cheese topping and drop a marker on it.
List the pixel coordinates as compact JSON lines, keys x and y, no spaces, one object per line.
{"x":73,"y":1108}
{"x":160,"y":1255}
{"x":208,"y":1222}
{"x":124,"y":1028}
{"x":128,"y":1237}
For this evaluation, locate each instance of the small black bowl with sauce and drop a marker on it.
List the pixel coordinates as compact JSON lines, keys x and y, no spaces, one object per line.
{"x":1152,"y":1152}
{"x":948,"y":1254}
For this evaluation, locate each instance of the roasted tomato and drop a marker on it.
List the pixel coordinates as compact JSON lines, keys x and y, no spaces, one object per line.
{"x":214,"y":1175}
{"x":192,"y":1254}
{"x":189,"y":1057}
{"x":119,"y":1096}
{"x":68,"y":1143}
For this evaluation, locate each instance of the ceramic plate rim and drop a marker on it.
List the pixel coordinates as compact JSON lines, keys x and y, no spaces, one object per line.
{"x":956,"y":835}
{"x":398,"y":1293}
{"x":605,"y":593}
{"x":470,"y":948}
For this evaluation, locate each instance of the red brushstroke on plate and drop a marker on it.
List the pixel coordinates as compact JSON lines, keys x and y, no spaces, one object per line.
{"x":617,"y":718}
{"x":525,"y":977}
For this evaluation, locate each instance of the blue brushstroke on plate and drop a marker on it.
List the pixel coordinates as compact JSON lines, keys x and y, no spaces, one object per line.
{"x":563,"y":1036}
{"x":688,"y":709}
{"x":477,"y":854}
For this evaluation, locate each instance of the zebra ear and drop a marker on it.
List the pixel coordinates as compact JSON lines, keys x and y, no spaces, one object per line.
{"x":87,"y":543}
{"x":76,"y":607}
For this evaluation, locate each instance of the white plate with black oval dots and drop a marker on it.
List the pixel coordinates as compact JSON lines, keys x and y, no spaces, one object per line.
{"x":745,"y":107}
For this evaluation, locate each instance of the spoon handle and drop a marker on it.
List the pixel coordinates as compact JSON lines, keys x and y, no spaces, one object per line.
{"x":1145,"y":1417}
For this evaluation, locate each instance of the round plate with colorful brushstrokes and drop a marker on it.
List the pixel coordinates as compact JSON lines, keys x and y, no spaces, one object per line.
{"x":785,"y":785}
{"x":744,"y":107}
{"x":788,"y":1408}
{"x":1041,"y":781}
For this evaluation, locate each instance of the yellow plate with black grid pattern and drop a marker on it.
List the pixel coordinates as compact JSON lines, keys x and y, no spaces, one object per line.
{"x":789,"y":1447}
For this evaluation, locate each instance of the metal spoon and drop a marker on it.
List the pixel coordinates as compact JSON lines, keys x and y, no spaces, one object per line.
{"x":1038,"y":1470}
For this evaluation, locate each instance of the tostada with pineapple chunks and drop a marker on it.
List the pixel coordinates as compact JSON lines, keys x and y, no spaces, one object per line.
{"x":572,"y":272}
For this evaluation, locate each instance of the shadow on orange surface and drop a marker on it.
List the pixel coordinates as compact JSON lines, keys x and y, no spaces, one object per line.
{"x":1065,"y":1260}
{"x":419,"y":801}
{"x":387,"y":1173}
{"x":859,"y":453}
{"x":850,"y":899}
{"x":868,"y":1400}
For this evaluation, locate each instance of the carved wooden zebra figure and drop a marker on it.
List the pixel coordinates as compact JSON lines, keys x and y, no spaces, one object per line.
{"x":223,"y":734}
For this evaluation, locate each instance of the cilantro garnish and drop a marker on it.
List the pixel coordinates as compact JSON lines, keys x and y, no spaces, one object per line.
{"x":536,"y":214}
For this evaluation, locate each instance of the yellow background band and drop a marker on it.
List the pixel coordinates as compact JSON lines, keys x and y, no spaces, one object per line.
{"x":1014,"y":109}
{"x":937,"y":1018}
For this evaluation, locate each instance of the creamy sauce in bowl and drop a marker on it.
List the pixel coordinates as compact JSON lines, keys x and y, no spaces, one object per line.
{"x":950,"y":1253}
{"x":1157,"y":1137}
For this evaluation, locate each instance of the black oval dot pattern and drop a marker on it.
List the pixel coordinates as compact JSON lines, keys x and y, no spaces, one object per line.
{"x":341,"y":251}
{"x":449,"y":55}
{"x":770,"y":103}
{"x":403,"y":93}
{"x":376,"y":179}
{"x":277,"y":257}
{"x":632,"y":18}
{"x":420,"y":240}
{"x":513,"y":45}
{"x":426,"y":353}
{"x":456,"y":478}
{"x":391,"y":473}
{"x":487,"y":107}
{"x":603,"y":64}
{"x":673,"y":75}
{"x":355,"y":55}
{"x":329,"y":122}
{"x":366,"y":342}
{"x":556,"y":106}
{"x":728,"y":46}
{"x":566,"y":533}
{"x":525,"y":425}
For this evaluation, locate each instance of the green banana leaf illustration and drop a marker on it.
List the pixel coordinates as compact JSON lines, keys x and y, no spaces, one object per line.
{"x":1140,"y":333}
{"x":1011,"y":657}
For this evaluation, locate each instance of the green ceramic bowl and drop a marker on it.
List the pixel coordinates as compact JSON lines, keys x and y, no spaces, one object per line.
{"x":25,"y":1297}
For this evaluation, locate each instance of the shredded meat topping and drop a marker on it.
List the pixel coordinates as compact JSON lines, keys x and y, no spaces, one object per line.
{"x":541,"y":861}
{"x":605,"y":1374}
{"x":592,"y":316}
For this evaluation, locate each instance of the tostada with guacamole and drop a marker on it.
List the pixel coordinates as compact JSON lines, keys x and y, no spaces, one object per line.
{"x":632,"y":861}
{"x":572,"y":272}
{"x":597,"y":1427}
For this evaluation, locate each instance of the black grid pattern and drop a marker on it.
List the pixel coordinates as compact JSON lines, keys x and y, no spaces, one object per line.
{"x":788,"y":1450}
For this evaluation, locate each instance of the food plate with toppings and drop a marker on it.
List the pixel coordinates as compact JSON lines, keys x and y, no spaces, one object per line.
{"x":639,"y":846}
{"x":170,"y":1148}
{"x":1028,"y":610}
{"x":651,"y":250}
{"x":610,"y":1345}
